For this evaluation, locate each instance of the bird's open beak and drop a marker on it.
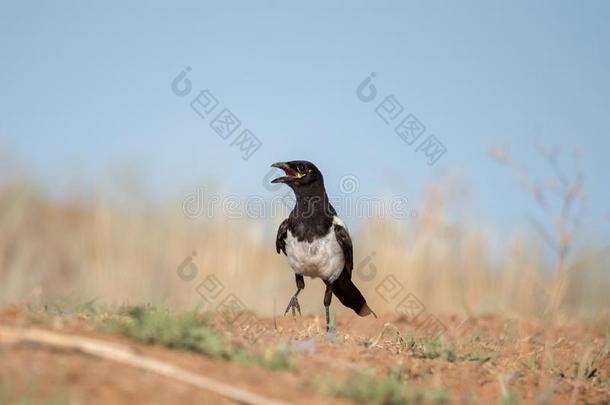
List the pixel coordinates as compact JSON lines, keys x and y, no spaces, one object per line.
{"x":291,"y":174}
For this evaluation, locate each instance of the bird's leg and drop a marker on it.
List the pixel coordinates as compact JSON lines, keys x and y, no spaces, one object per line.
{"x":294,"y":301}
{"x":328,"y":295}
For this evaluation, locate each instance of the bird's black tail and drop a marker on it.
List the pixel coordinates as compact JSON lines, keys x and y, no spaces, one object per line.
{"x":350,"y":296}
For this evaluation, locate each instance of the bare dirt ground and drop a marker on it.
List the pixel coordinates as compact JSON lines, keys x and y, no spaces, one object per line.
{"x":484,"y":359}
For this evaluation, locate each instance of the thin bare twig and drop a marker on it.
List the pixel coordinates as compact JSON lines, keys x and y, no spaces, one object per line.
{"x":122,"y":354}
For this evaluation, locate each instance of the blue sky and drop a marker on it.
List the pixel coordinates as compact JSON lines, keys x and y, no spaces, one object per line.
{"x":86,"y":89}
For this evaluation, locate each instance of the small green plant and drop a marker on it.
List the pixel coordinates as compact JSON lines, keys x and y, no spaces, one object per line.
{"x":363,"y":387}
{"x":481,"y":357}
{"x":277,"y":358}
{"x":274,"y":358}
{"x":589,"y":371}
{"x":157,"y":326}
{"x":188,"y":331}
{"x":405,"y":344}
{"x":433,"y":348}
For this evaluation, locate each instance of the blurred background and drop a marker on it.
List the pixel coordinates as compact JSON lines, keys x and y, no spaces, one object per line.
{"x":135,"y":144}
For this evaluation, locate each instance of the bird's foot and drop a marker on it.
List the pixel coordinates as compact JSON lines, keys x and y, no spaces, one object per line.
{"x":294,"y":305}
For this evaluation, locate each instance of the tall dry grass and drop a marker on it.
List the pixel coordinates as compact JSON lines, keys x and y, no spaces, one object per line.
{"x":68,"y":252}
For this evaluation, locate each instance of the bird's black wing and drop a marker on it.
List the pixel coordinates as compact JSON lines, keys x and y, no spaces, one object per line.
{"x":346,"y":245}
{"x":280,"y":240}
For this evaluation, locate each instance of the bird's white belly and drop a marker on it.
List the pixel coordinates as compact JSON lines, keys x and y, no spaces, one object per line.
{"x":321,"y":258}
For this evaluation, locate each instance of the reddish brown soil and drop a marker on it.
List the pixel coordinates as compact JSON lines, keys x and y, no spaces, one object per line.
{"x":358,"y":345}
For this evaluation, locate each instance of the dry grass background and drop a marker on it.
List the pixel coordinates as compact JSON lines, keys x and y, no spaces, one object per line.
{"x":56,"y":252}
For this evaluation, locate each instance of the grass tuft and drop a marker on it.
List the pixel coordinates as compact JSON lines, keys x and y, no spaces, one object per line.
{"x":364,"y":388}
{"x":189,"y":331}
{"x":158,"y":326}
{"x":481,"y":357}
{"x":427,"y":348}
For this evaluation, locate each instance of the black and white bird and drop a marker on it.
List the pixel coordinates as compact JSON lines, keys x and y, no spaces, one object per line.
{"x":316,"y":241}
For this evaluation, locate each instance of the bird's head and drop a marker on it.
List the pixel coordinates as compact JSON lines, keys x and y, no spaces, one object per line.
{"x":298,"y":174}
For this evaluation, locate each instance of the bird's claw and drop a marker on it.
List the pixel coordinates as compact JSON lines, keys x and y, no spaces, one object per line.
{"x":293,"y":304}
